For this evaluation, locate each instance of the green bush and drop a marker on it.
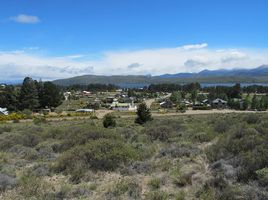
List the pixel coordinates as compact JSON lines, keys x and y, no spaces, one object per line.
{"x":246,"y":149}
{"x":162,"y":133}
{"x":156,"y":195}
{"x":39,"y":120}
{"x":263,"y":176}
{"x":109,"y":121}
{"x":252,"y":118}
{"x":154,"y":183}
{"x":182,"y":108}
{"x":80,"y":135}
{"x":129,"y":187}
{"x":28,"y":113}
{"x":101,"y":154}
{"x":5,"y":129}
{"x":33,"y":187}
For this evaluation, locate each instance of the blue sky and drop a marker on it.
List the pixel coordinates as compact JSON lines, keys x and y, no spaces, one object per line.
{"x":112,"y":36}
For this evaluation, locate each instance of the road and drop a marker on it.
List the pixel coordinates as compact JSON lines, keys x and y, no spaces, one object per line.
{"x":150,"y":101}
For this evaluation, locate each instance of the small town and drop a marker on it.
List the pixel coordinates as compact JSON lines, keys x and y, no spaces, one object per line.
{"x":99,"y":100}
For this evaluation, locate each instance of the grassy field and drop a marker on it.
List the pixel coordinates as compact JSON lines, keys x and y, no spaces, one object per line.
{"x":217,"y":156}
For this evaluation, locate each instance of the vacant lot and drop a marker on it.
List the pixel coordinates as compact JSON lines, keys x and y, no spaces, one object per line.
{"x":216,"y":156}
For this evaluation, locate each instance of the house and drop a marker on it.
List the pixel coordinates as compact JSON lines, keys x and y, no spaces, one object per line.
{"x":186,"y":102}
{"x":166,"y":104}
{"x":201,"y":105}
{"x":110,"y":99}
{"x":219,"y":103}
{"x":86,"y":93}
{"x":3,"y":111}
{"x":119,"y":90}
{"x":123,"y":106}
{"x":206,"y":101}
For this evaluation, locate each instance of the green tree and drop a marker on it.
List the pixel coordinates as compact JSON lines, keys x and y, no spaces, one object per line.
{"x":255,"y":103}
{"x":9,"y":98}
{"x":246,"y":103}
{"x":175,"y":97}
{"x":50,"y":95}
{"x":109,"y":121}
{"x":143,"y":114}
{"x":193,"y":95}
{"x":28,"y":95}
{"x":264,"y":103}
{"x":201,"y":97}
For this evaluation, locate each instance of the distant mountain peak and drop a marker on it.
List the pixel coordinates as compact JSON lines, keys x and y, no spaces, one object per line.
{"x":263,"y":66}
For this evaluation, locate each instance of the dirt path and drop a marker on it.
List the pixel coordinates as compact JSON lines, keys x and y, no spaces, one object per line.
{"x":150,"y":101}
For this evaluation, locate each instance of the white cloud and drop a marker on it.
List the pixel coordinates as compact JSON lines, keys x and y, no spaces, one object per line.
{"x":25,"y":19}
{"x":194,"y":46}
{"x":17,"y":64}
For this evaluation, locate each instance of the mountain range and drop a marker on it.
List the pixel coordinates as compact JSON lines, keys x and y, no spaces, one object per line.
{"x":259,"y":71}
{"x":256,"y":75}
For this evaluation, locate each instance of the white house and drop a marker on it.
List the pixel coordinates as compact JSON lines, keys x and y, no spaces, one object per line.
{"x":123,"y":106}
{"x":3,"y":111}
{"x":219,"y":103}
{"x":186,"y":102}
{"x":86,"y":93}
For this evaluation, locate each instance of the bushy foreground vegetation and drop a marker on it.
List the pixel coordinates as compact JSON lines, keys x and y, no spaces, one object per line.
{"x":182,"y":157}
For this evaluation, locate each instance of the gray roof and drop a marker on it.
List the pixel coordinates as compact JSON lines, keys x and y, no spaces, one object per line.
{"x":218,"y":100}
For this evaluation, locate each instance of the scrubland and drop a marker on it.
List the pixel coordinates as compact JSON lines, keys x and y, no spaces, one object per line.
{"x":216,"y":156}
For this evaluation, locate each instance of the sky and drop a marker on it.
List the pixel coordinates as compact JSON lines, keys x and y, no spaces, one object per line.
{"x":53,"y":39}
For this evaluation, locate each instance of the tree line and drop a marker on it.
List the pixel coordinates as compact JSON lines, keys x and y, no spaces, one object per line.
{"x":31,"y":95}
{"x":93,"y":87}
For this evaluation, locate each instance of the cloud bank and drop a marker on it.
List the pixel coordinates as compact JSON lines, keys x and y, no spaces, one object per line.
{"x":187,"y":58}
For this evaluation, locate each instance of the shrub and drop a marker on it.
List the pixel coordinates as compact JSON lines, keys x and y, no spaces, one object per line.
{"x":179,"y":151}
{"x":154,"y":183}
{"x":263,"y":176}
{"x":12,"y":116}
{"x":203,"y":137}
{"x":102,"y":154}
{"x":129,"y":187}
{"x":182,"y":108}
{"x":6,"y":182}
{"x":180,"y":196}
{"x":30,"y":139}
{"x":81,"y":135}
{"x":137,"y":167}
{"x":244,"y":148}
{"x":222,"y":126}
{"x":109,"y":121}
{"x":252,"y":118}
{"x":205,"y":193}
{"x":24,"y":152}
{"x":156,"y":195}
{"x":32,"y":186}
{"x":5,"y":129}
{"x":39,"y":120}
{"x":28,"y":113}
{"x":161,"y":133}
